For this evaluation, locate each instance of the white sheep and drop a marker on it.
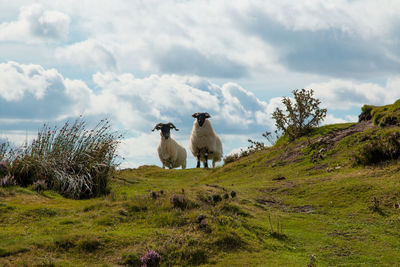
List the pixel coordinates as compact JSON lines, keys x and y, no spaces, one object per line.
{"x":171,"y":154}
{"x":204,"y":142}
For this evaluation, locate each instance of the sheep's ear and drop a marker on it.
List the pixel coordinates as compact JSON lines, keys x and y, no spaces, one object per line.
{"x":207,"y":115}
{"x":171,"y":125}
{"x":195,"y":115}
{"x":157,"y":127}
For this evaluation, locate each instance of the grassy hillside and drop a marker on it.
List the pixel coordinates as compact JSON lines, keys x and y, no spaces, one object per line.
{"x":292,"y":202}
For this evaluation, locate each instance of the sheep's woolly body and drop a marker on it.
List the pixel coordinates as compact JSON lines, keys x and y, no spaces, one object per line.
{"x":204,"y":138}
{"x":171,"y":154}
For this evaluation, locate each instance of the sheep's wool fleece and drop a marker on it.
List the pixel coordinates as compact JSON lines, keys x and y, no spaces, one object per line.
{"x":169,"y":151}
{"x":203,"y":138}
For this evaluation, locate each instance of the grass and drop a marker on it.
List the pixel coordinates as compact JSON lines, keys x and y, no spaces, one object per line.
{"x":383,"y":115}
{"x":73,"y":160}
{"x":327,"y":211}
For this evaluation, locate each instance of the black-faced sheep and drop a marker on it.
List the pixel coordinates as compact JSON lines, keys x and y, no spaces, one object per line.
{"x":204,"y":143}
{"x":171,"y":154}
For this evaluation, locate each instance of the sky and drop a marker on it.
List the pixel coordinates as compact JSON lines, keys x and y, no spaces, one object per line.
{"x":139,"y":63}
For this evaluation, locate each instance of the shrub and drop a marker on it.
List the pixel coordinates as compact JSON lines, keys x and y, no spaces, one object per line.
{"x":39,"y":186}
{"x":228,"y":241}
{"x":379,"y":150}
{"x":253,"y":147}
{"x":216,"y":198}
{"x":72,"y":160}
{"x":231,"y":158}
{"x":131,"y":260}
{"x":180,"y":202}
{"x":90,"y":244}
{"x":300,"y":117}
{"x":200,"y":218}
{"x":151,"y":259}
{"x":365,"y":113}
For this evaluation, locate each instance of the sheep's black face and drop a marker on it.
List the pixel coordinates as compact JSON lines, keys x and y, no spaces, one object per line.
{"x":201,"y":117}
{"x":165,"y":130}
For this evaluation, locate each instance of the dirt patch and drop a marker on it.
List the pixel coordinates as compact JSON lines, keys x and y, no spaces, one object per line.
{"x":269,"y":189}
{"x":216,"y":186}
{"x":347,"y":235}
{"x":294,"y":154}
{"x":273,"y":203}
{"x":318,"y":167}
{"x":277,"y":204}
{"x":334,"y":137}
{"x":304,"y":209}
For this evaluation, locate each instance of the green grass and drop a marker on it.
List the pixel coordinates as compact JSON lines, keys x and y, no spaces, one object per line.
{"x":322,"y":207}
{"x":384,"y":115}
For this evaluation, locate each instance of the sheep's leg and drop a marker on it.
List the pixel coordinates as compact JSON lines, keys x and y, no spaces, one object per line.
{"x":198,"y":159}
{"x":206,"y":159}
{"x":213,"y":164}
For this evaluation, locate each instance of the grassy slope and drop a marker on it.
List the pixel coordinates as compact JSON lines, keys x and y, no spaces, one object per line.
{"x":322,"y":206}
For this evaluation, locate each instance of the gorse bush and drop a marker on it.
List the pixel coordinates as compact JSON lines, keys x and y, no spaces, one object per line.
{"x":72,"y":160}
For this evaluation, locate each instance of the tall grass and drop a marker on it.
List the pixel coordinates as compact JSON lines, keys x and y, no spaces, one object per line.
{"x":72,"y":160}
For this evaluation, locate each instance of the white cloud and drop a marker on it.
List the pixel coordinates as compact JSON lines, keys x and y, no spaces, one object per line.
{"x":331,"y":119}
{"x":88,"y":54}
{"x":36,"y":24}
{"x":31,"y":92}
{"x":17,"y":80}
{"x":338,"y":94}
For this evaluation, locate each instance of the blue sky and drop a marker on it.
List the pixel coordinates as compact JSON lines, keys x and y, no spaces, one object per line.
{"x":144,"y":62}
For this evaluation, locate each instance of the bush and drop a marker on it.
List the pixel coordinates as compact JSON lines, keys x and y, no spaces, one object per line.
{"x":300,"y":117}
{"x":151,"y":259}
{"x":180,"y":202}
{"x":39,"y":186}
{"x":72,"y":160}
{"x":380,"y":150}
{"x":254,"y":147}
{"x":365,"y":113}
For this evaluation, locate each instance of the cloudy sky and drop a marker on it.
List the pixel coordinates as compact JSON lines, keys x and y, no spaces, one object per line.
{"x":143,"y":62}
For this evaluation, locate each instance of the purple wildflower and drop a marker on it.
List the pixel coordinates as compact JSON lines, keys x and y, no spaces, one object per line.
{"x":150,"y":259}
{"x":178,"y":201}
{"x":8,"y":180}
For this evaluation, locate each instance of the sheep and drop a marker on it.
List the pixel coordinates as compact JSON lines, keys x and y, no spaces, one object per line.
{"x":171,"y":154}
{"x":204,"y":143}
